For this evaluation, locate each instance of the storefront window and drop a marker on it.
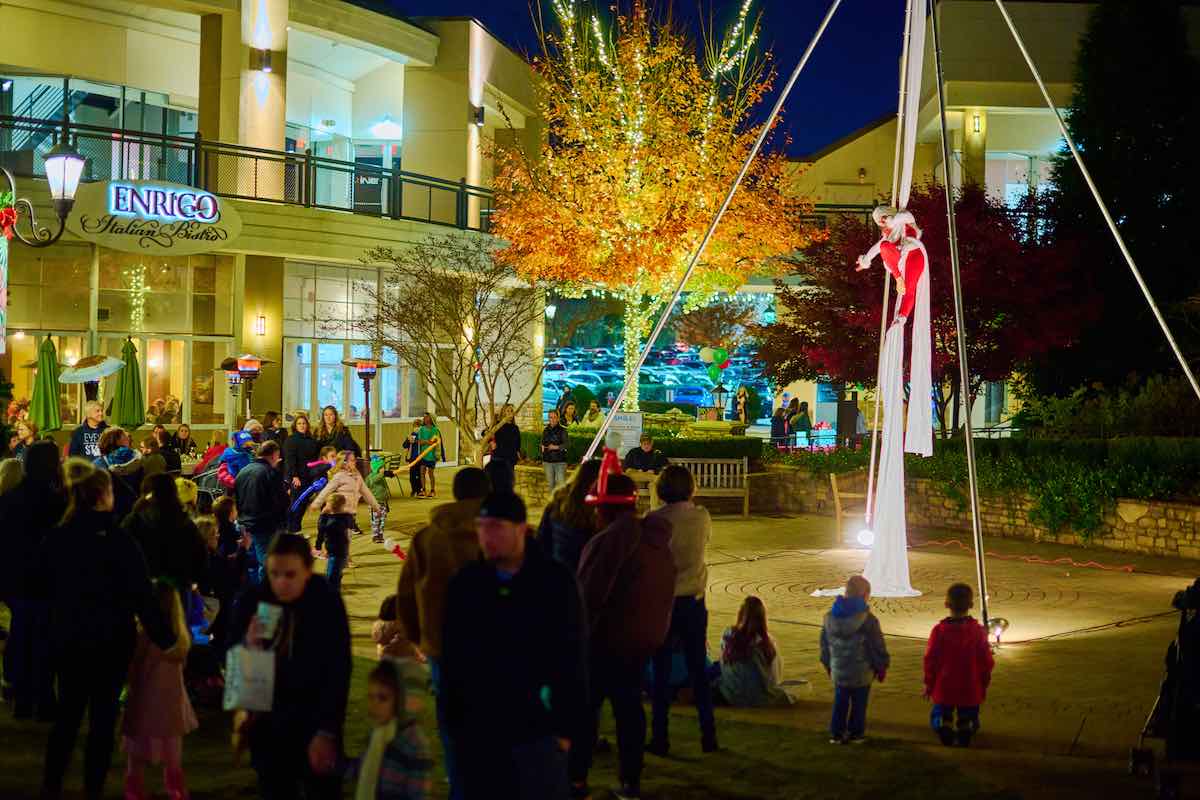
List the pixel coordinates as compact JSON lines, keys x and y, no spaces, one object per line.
{"x":297,"y":376}
{"x":48,"y":288}
{"x":19,"y":361}
{"x":165,"y":294}
{"x":323,"y":301}
{"x":418,"y":392}
{"x":331,"y":377}
{"x":209,"y":391}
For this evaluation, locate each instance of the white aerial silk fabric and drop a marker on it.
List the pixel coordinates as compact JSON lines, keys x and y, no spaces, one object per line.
{"x":919,"y":434}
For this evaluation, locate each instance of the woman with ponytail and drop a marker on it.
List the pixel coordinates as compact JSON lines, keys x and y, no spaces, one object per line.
{"x":92,"y":576}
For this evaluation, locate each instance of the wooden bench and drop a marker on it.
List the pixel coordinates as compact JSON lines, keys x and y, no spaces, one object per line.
{"x":716,"y":477}
{"x":847,"y":504}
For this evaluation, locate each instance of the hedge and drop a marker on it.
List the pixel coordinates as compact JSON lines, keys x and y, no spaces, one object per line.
{"x":672,"y":447}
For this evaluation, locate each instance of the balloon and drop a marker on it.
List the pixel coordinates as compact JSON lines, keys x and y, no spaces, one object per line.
{"x":706,"y":355}
{"x":714,"y":372}
{"x":720,"y":355}
{"x":724,"y":364}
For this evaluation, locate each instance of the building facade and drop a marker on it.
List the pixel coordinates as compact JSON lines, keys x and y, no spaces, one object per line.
{"x":319,"y":129}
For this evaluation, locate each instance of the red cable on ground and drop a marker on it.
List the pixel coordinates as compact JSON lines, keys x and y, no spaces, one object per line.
{"x":1028,"y":559}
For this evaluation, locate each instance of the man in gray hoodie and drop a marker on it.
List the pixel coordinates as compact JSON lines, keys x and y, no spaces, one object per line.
{"x":853,"y":654}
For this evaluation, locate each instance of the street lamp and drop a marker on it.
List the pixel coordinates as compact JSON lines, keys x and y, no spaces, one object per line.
{"x":246,"y":368}
{"x":367,"y":369}
{"x":64,"y":167}
{"x":720,"y":395}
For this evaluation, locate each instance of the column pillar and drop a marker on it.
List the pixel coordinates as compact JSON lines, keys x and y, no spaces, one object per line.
{"x":262,"y":95}
{"x":974,"y":149}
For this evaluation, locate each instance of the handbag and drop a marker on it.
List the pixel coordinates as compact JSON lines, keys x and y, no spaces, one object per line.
{"x":249,"y":679}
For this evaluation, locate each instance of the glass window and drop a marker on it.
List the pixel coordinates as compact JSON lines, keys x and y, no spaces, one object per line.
{"x":331,"y":390}
{"x":390,"y":387}
{"x":16,"y":362}
{"x":297,"y":376}
{"x":357,"y":402}
{"x":209,"y":391}
{"x":212,"y":294}
{"x":418,"y":392}
{"x":164,"y":381}
{"x":48,"y":289}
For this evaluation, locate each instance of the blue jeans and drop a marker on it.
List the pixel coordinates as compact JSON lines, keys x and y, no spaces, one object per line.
{"x":849,"y":711}
{"x":334,"y":567}
{"x":262,"y":541}
{"x":967,"y":721}
{"x":449,"y":760}
{"x":556,"y":473}
{"x":689,"y":626}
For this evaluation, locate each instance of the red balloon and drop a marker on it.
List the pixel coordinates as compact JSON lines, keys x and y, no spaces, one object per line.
{"x":724,"y":365}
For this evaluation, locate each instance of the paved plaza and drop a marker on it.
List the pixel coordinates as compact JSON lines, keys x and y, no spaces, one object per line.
{"x":1076,"y":674}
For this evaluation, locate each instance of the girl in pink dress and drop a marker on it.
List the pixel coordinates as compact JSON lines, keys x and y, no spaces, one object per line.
{"x":158,"y":712}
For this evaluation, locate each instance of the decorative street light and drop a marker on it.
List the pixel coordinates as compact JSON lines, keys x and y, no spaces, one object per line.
{"x":367,"y":369}
{"x":64,"y":167}
{"x":720,"y":396}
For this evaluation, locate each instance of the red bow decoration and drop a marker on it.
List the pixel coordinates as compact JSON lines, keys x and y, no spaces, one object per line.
{"x":609,"y":465}
{"x":8,"y":221}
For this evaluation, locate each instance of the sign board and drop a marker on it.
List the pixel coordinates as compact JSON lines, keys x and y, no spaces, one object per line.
{"x":628,"y":426}
{"x":153,"y":217}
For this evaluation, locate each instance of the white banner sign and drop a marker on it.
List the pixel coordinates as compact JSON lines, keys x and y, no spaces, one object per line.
{"x":628,"y":426}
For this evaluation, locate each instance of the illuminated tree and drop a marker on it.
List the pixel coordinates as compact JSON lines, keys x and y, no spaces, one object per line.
{"x":646,"y":133}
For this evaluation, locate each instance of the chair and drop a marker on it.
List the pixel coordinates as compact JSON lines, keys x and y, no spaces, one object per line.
{"x":847,"y":504}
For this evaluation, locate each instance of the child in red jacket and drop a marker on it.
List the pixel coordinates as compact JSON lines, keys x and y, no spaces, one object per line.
{"x":958,"y":669}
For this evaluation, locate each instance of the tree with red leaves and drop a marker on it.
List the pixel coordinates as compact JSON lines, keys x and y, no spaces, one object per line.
{"x":1022,"y":297}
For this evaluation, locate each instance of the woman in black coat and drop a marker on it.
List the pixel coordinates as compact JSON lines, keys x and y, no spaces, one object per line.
{"x":92,"y":577}
{"x":28,"y":513}
{"x":299,"y":450}
{"x":334,"y":433}
{"x":168,"y":538}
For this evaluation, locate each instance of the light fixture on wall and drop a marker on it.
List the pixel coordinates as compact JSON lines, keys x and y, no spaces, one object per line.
{"x":976,"y":123}
{"x":386,"y":128}
{"x":6,"y":84}
{"x":477,"y":116}
{"x":260,"y":325}
{"x":260,"y":60}
{"x":862,"y":174}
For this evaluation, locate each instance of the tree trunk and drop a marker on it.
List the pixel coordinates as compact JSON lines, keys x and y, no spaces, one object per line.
{"x":635,"y":321}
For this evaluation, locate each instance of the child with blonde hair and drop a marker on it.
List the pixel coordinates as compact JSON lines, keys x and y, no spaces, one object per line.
{"x":158,"y":713}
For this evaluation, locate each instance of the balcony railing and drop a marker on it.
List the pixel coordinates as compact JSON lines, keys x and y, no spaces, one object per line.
{"x":249,"y":173}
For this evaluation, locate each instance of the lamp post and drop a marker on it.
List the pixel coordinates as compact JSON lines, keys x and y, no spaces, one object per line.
{"x":720,"y":396}
{"x":366,"y":369}
{"x":64,"y":167}
{"x":246,"y":367}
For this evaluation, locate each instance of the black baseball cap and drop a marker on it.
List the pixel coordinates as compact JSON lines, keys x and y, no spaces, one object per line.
{"x":503,"y":505}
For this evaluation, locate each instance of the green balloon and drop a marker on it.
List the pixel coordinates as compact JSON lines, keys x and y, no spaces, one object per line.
{"x":714,"y":372}
{"x":719,"y":355}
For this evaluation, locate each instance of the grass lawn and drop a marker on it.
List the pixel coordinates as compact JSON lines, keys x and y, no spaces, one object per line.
{"x":760,"y":761}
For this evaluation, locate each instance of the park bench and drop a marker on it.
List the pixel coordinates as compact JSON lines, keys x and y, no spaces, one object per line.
{"x":845,"y":503}
{"x":716,"y":477}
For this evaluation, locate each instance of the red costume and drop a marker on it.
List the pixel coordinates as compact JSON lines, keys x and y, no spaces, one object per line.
{"x":958,"y":662}
{"x":902,"y":254}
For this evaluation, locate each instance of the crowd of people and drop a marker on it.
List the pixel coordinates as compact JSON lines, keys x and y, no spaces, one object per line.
{"x":119,"y":576}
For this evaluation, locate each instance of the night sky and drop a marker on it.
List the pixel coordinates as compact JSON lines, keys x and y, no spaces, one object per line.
{"x":850,"y":80}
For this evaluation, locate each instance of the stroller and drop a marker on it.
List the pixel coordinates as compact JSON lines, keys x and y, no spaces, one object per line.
{"x":1175,"y":716}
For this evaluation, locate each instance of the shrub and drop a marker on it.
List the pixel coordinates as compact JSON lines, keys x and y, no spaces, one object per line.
{"x":662,"y":407}
{"x":670,"y":445}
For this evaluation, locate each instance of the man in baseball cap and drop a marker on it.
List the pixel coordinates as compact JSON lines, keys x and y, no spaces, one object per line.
{"x":513,"y":668}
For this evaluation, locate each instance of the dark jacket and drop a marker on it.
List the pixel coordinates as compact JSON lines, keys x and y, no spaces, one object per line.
{"x":561,"y":540}
{"x":333,"y":531}
{"x":508,"y":442}
{"x":185,"y":447}
{"x":554,"y":434}
{"x":852,"y":646}
{"x":28,"y":513}
{"x":298,"y":450}
{"x":171,"y":458}
{"x":312,"y":662}
{"x":637,"y":458}
{"x":125,"y":467}
{"x":172,"y":546}
{"x":341,"y":441}
{"x":513,"y":659}
{"x":262,"y":499}
{"x":627,"y":575}
{"x":958,"y":662}
{"x":85,"y":441}
{"x":93,"y":577}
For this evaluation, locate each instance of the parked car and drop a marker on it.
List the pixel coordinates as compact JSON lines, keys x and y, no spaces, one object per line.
{"x":690,"y":394}
{"x":556,"y":366}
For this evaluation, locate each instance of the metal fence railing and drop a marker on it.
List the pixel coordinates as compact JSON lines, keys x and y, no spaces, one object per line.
{"x":249,"y":173}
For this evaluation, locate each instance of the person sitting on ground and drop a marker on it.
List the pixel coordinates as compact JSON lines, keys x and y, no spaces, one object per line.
{"x":333,"y":534}
{"x":853,"y":654}
{"x":627,"y":577}
{"x":435,"y":555}
{"x":751,"y":667}
{"x":958,"y":669}
{"x":397,"y":762}
{"x":691,"y":530}
{"x":513,"y":662}
{"x":296,"y":746}
{"x":85,"y":439}
{"x":569,"y":523}
{"x":644,"y":457}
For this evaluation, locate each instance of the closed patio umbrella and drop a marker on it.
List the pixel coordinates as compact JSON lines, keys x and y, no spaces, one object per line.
{"x":128,"y":407}
{"x":43,"y":406}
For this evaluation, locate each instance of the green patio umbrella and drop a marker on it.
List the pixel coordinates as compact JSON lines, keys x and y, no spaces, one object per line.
{"x":128,"y":408}
{"x":43,"y":407}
